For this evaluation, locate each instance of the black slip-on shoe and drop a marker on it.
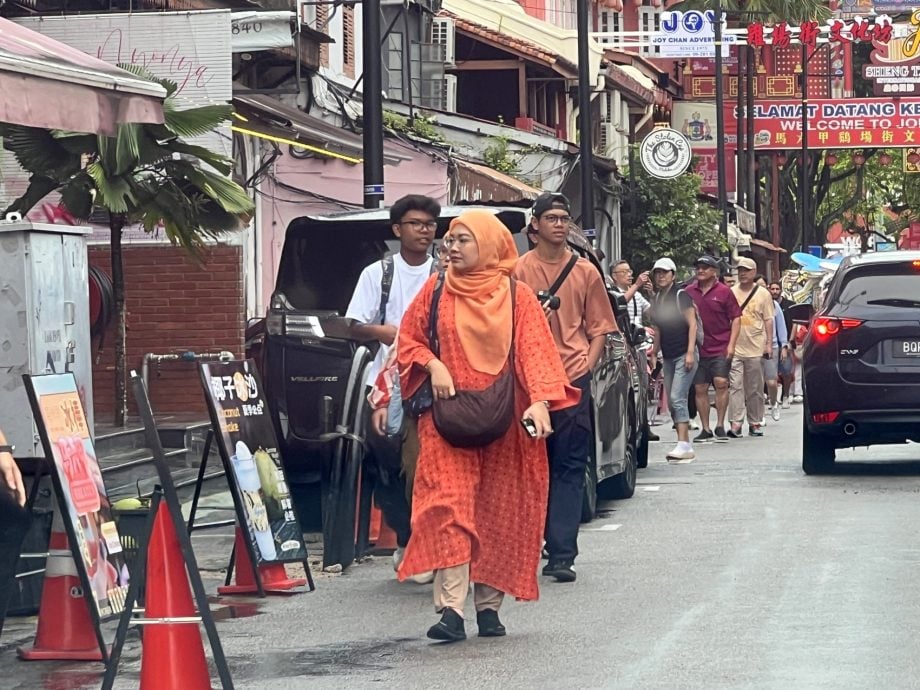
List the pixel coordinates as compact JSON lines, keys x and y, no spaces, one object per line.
{"x":652,"y":436}
{"x":449,"y":628}
{"x":561,"y":570}
{"x":703,"y":437}
{"x":719,"y":436}
{"x":489,"y":625}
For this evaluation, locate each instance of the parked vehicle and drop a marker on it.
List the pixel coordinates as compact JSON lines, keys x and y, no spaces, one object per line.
{"x":861,"y":362}
{"x":313,"y":373}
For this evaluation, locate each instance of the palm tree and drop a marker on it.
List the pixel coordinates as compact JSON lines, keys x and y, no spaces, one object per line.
{"x":145,"y":174}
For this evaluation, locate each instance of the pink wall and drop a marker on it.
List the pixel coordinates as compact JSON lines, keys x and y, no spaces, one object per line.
{"x":337,"y":180}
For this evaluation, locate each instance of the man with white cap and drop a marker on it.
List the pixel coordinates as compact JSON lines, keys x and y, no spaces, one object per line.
{"x":753,"y":345}
{"x":673,"y":315}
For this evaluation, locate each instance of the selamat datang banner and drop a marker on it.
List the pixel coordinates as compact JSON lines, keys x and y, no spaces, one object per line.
{"x":852,"y":123}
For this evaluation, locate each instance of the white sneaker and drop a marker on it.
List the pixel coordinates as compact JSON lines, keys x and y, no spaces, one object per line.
{"x":774,"y":412}
{"x":695,"y":425}
{"x":398,"y":555}
{"x":787,"y":403}
{"x":797,"y":399}
{"x":422,"y":578}
{"x":682,"y":452}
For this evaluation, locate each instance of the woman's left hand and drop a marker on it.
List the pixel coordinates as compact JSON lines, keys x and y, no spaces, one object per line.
{"x":689,"y":361}
{"x":538,"y":413}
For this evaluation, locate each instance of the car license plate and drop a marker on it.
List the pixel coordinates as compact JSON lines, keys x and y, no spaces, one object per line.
{"x":906,"y":348}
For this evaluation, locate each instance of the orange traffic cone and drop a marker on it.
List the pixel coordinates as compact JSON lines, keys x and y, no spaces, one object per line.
{"x":173,"y":655}
{"x":65,"y":629}
{"x":273,"y":575}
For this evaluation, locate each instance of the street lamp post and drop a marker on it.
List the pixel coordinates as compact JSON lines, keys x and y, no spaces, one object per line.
{"x":372,"y":107}
{"x":720,"y":119}
{"x":585,"y":140}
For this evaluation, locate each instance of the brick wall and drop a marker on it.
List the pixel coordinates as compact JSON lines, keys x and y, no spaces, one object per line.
{"x":174,"y":305}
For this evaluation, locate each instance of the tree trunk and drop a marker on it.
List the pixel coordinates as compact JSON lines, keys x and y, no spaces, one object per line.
{"x":116,"y":223}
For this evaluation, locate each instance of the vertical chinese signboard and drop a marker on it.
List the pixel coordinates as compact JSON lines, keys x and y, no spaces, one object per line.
{"x":249,"y":449}
{"x":82,"y":498}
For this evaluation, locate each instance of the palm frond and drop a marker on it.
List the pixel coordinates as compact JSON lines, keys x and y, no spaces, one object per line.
{"x":78,"y":196}
{"x":220,"y":163}
{"x":114,"y":193}
{"x":39,"y":187}
{"x":127,"y":148}
{"x":38,"y":151}
{"x":193,"y":122}
{"x":225,"y":192}
{"x":142,"y":73}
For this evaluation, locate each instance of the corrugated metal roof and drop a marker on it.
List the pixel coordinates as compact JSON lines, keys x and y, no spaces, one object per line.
{"x":476,"y":182}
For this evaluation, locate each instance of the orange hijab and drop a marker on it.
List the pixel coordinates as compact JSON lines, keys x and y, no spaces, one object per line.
{"x":483,"y":295}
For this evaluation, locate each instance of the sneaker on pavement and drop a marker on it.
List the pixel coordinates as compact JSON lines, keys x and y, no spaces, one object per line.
{"x":682,"y":451}
{"x":797,"y":399}
{"x":787,"y":403}
{"x":735,"y":431}
{"x":774,"y":412}
{"x":398,"y":555}
{"x":755,"y":430}
{"x":561,"y":570}
{"x":703,"y":437}
{"x":652,"y":436}
{"x":488,"y":623}
{"x":694,"y":425}
{"x":719,"y":436}
{"x":425,"y":578}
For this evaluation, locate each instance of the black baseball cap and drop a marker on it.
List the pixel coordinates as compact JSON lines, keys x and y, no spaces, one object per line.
{"x":707,"y":260}
{"x":548,"y":201}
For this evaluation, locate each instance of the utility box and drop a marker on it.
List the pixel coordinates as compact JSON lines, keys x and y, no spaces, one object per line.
{"x":44,"y":320}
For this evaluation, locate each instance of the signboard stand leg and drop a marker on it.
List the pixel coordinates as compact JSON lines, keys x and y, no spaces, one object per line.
{"x":171,"y":500}
{"x":200,"y":481}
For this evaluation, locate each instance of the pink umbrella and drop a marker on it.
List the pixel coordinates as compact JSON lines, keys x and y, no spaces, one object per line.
{"x":46,"y":83}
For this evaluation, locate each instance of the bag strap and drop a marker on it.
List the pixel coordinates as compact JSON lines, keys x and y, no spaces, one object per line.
{"x":386,"y":283}
{"x":749,"y":297}
{"x":562,"y":276}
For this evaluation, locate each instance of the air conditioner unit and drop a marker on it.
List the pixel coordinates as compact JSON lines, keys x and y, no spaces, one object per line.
{"x":608,"y":136}
{"x":443,"y":34}
{"x":449,"y":92}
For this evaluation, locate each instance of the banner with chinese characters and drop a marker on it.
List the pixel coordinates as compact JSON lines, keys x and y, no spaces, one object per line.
{"x":249,"y":448}
{"x":838,"y":123}
{"x":857,"y":30}
{"x":82,"y":499}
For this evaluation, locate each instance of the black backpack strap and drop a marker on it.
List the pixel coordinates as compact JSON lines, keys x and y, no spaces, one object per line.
{"x":386,"y":283}
{"x":433,"y":342}
{"x":562,"y":276}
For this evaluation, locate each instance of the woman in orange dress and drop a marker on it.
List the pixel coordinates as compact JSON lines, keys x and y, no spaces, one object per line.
{"x":478,"y":513}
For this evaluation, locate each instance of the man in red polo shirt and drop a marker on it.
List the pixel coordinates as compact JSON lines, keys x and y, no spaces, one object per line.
{"x":721,"y":316}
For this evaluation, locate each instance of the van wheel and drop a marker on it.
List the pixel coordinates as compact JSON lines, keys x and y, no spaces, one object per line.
{"x":589,"y":504}
{"x":818,"y":454}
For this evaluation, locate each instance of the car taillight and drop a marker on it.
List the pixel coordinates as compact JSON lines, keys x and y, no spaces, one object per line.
{"x":825,"y":417}
{"x":825,"y":326}
{"x":274,"y":323}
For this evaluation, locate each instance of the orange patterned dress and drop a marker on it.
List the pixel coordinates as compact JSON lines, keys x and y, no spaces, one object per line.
{"x":483,"y":506}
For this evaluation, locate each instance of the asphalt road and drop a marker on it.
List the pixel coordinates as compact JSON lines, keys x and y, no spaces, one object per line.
{"x":733,"y":571}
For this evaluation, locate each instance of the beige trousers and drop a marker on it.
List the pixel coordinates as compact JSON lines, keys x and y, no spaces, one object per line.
{"x":452,"y":585}
{"x":746,"y":390}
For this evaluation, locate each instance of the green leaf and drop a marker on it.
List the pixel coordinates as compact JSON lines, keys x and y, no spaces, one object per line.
{"x":38,"y":151}
{"x":127,"y":148}
{"x":227,"y":193}
{"x":194,"y":122}
{"x":39,"y":187}
{"x":114,"y":192}
{"x":78,"y":196}
{"x":220,"y":163}
{"x":140,"y":72}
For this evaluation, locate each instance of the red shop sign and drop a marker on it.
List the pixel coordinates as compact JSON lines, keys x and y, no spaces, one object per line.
{"x":837,"y":123}
{"x":856,"y":30}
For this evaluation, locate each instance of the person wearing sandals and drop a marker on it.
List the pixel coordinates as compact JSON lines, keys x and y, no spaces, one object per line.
{"x":478,"y":512}
{"x":674,"y":316}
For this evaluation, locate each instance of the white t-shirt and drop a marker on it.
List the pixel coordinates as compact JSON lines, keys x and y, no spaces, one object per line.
{"x":365,"y":302}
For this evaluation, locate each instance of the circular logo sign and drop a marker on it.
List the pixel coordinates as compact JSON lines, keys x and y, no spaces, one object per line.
{"x":665,"y":153}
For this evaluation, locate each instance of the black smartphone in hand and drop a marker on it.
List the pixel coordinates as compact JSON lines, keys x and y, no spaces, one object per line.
{"x":529,"y":427}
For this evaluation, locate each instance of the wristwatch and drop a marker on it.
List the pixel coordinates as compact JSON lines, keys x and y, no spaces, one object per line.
{"x":7,"y":449}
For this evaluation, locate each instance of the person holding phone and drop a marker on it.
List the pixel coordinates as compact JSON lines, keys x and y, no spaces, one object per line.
{"x":14,"y":521}
{"x":478,"y":512}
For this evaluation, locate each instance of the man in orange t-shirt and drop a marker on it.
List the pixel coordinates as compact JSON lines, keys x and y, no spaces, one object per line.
{"x":580,"y":318}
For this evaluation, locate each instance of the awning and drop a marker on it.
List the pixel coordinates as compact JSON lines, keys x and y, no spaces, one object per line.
{"x":769,"y":246}
{"x":629,"y":86}
{"x":48,"y":84}
{"x":476,"y":182}
{"x":268,"y":118}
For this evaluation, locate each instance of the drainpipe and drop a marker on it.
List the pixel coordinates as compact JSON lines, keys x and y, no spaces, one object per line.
{"x":188,"y":356}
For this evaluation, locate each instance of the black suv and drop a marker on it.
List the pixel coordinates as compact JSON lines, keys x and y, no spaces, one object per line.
{"x":861,"y":366}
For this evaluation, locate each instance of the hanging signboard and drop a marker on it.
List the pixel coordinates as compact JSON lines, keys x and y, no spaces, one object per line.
{"x":690,"y":34}
{"x":261,"y":30}
{"x":665,"y":153}
{"x":82,"y":500}
{"x":249,"y":448}
{"x":838,"y":123}
{"x":894,"y":69}
{"x":857,"y":30}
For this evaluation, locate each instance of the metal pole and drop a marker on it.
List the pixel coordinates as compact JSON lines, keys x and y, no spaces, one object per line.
{"x":740,"y":148}
{"x":586,"y":144}
{"x":720,"y":119}
{"x":372,"y":105}
{"x":803,"y":187}
{"x":753,"y":188}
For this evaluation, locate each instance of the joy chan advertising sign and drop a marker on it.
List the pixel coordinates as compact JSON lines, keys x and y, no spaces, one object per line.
{"x":249,"y":448}
{"x":665,"y":153}
{"x":690,"y":34}
{"x":838,"y":123}
{"x":82,"y":499}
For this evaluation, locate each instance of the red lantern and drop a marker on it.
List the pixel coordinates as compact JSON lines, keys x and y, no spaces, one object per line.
{"x":884,"y":159}
{"x":859,"y":160}
{"x":913,"y":158}
{"x":830,"y":159}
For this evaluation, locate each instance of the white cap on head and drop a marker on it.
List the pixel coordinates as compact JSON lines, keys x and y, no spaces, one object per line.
{"x":665,"y":264}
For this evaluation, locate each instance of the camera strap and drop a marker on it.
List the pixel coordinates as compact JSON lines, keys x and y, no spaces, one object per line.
{"x":565,"y":274}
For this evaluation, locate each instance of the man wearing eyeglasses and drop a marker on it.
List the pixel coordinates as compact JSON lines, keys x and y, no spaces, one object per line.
{"x":383,"y":293}
{"x":580,"y":318}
